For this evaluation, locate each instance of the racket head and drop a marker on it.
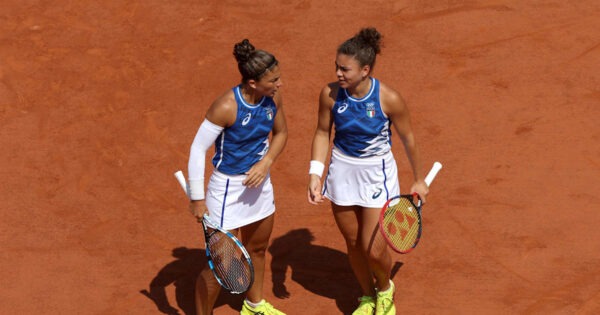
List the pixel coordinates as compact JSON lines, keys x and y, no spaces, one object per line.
{"x":400,"y":222}
{"x":227,"y":258}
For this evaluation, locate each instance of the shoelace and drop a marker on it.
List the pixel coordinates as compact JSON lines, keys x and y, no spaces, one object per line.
{"x":366,"y":302}
{"x":384,"y":303}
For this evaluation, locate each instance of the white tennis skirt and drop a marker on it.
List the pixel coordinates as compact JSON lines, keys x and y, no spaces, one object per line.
{"x":366,"y":182}
{"x":233,"y":205}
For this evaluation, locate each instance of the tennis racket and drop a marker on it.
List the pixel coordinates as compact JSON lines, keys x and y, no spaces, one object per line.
{"x":227,"y":258}
{"x":400,"y":218}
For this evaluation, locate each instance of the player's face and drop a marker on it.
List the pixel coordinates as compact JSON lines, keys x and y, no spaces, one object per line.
{"x":270,"y":83}
{"x":349,"y":72}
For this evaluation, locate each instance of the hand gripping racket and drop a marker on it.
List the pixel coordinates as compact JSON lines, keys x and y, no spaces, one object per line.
{"x":227,"y":257}
{"x":400,"y":218}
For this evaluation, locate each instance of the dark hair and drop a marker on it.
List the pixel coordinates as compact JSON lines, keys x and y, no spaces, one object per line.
{"x":364,"y":46}
{"x":252,"y":63}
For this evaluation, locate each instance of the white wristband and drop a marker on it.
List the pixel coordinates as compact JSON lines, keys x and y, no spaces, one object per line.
{"x":316,"y":168}
{"x":196,"y":188}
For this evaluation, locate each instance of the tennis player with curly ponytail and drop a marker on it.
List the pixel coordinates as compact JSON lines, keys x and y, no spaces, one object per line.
{"x":240,"y":194}
{"x":362,"y":174}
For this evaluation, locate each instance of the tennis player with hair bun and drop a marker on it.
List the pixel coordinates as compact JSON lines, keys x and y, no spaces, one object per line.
{"x":362,"y":173}
{"x":240,"y":193}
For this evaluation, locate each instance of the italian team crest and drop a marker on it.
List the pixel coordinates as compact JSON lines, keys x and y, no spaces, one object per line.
{"x":269,"y":114}
{"x":370,"y":110}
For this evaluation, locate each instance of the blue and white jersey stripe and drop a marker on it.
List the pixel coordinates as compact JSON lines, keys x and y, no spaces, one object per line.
{"x":244,"y":143}
{"x":362,"y":129}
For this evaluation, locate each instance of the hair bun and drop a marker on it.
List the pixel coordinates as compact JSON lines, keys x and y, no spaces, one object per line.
{"x":243,"y":50}
{"x":371,"y":37}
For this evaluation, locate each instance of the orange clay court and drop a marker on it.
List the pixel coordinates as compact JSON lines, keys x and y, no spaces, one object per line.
{"x":100,"y":100}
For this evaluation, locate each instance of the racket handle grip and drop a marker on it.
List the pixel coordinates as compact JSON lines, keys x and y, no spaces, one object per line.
{"x":182,"y":182}
{"x":437,"y":166}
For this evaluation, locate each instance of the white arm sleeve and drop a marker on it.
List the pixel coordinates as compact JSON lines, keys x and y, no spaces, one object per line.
{"x":205,"y":137}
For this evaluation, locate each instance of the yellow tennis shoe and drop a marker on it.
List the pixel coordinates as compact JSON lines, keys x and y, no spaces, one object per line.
{"x":366,"y":306}
{"x":385,"y":301}
{"x":263,"y":308}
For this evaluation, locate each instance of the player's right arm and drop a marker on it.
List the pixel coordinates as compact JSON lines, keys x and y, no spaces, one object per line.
{"x":320,"y":144}
{"x":221,"y":114}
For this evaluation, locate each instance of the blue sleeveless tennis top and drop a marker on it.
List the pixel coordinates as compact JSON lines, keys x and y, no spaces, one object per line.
{"x":361,"y":127}
{"x":241,"y":145}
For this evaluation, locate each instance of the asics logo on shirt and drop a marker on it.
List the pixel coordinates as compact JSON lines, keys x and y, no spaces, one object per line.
{"x":342,"y":108}
{"x":377,"y":193}
{"x":246,"y":119}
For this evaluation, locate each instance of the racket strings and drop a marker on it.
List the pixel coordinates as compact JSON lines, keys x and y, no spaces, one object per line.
{"x":230,"y":263}
{"x":401,"y":224}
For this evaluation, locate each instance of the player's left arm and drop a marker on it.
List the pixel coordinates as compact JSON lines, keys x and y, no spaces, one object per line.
{"x":259,"y":171}
{"x":279,"y":133}
{"x":397,"y":110}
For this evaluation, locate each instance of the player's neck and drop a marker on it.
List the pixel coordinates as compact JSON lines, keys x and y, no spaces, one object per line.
{"x":250,"y":95}
{"x":361,"y":89}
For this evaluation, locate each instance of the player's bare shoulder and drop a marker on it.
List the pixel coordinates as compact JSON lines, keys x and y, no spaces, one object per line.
{"x":223,"y":110}
{"x":329,"y":94}
{"x":391,"y":100}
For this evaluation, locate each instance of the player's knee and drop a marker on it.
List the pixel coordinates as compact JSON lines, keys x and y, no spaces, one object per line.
{"x":257,"y":250}
{"x":352,"y":243}
{"x":381,"y":258}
